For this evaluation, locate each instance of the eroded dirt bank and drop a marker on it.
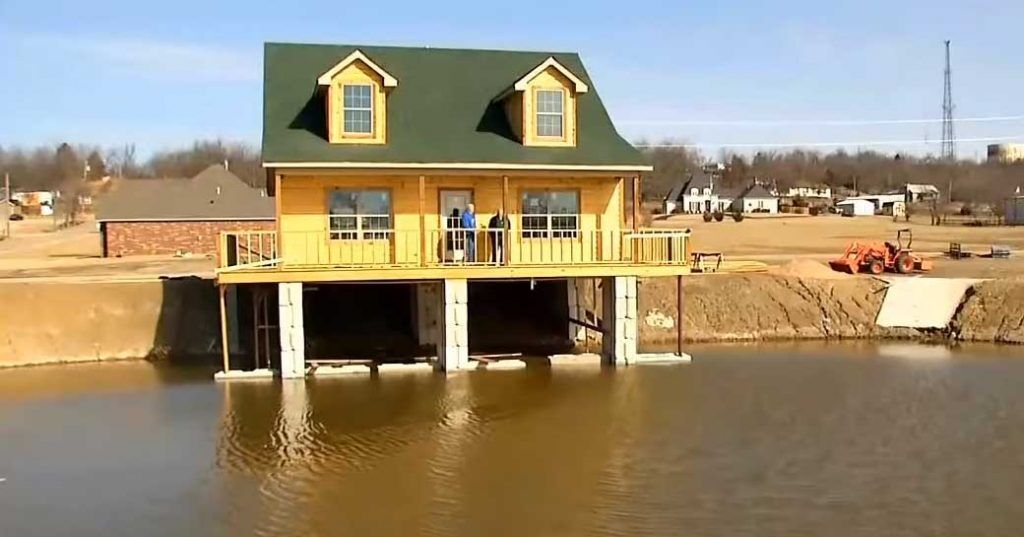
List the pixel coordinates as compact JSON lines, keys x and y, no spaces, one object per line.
{"x":71,"y":322}
{"x":992,"y":311}
{"x":75,"y":322}
{"x":764,"y":306}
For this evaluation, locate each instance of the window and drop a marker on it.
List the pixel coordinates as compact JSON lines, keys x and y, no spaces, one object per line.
{"x":550,"y":113}
{"x":551,"y":213}
{"x":359,"y":214}
{"x":358,"y":108}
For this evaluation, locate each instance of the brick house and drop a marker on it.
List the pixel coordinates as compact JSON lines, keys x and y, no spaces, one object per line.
{"x":179,"y":216}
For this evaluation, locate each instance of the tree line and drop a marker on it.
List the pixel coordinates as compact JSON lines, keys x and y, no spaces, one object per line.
{"x":863,"y":171}
{"x":66,"y":167}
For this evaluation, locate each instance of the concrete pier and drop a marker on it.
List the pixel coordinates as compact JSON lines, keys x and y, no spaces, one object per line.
{"x":619,"y":320}
{"x":453,"y":349}
{"x":292,"y":330}
{"x":428,"y":296}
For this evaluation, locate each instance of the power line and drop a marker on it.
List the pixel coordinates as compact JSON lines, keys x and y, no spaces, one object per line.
{"x":779,"y":122}
{"x":831,"y":144}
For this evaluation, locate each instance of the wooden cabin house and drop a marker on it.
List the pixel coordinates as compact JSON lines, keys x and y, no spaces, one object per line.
{"x":374,"y":155}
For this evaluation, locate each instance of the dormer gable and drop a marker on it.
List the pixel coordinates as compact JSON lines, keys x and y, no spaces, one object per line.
{"x":541,"y":105}
{"x":356,"y":92}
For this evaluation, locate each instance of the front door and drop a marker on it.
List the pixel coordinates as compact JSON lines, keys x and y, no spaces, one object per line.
{"x":453,"y":204}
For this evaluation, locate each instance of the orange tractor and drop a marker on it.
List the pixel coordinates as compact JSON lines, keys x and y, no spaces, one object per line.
{"x":875,"y":257}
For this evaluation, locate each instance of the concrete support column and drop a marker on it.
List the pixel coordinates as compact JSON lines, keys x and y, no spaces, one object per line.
{"x":292,"y":327}
{"x":577,"y":309}
{"x":619,"y":320}
{"x":428,"y":295}
{"x":453,"y":349}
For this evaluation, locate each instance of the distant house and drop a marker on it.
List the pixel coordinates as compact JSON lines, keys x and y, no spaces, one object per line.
{"x":921,"y":193}
{"x":819,"y":191}
{"x":179,"y":216}
{"x":754,"y":198}
{"x":701,"y":193}
{"x":35,"y":203}
{"x":697,"y":194}
{"x":856,"y":207}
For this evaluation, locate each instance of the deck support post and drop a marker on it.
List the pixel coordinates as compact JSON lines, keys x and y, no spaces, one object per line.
{"x":453,"y":349}
{"x":234,"y":332}
{"x":506,"y":240}
{"x":619,"y":320}
{"x":225,"y":351}
{"x":636,"y":203}
{"x":423,"y":220}
{"x":292,"y":330}
{"x":679,"y":316}
{"x":577,"y":310}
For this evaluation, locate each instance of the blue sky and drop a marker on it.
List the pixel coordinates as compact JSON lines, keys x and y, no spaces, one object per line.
{"x":161,"y":74}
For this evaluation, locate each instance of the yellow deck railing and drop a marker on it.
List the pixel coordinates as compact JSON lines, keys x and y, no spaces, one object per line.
{"x":411,"y":248}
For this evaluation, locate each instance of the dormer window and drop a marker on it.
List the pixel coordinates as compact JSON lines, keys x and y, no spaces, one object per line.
{"x":541,"y":105}
{"x":551,"y":113}
{"x":357,"y":97}
{"x":358,"y":109}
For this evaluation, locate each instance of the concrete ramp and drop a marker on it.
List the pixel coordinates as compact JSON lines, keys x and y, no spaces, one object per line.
{"x":922,"y":302}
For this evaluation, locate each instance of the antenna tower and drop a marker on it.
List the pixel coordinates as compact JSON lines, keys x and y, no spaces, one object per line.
{"x":948,"y":137}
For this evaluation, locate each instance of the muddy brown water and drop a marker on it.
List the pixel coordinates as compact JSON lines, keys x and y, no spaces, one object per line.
{"x":747,"y":440}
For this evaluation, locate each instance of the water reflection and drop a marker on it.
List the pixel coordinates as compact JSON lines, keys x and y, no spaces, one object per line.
{"x":766,"y":440}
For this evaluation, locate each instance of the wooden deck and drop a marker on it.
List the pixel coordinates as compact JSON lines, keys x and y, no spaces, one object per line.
{"x":387,"y":255}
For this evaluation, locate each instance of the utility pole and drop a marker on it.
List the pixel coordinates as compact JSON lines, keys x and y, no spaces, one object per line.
{"x":948,"y":137}
{"x":7,"y":210}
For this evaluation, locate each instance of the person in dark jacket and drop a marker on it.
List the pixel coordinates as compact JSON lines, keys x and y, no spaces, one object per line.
{"x":496,"y":228}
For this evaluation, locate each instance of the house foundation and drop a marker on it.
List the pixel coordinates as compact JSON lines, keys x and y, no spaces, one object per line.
{"x":619,"y":320}
{"x":292,"y":330}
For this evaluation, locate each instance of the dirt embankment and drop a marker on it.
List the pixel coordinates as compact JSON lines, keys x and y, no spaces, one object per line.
{"x":781,"y":306}
{"x":74,"y":322}
{"x":758,"y":306}
{"x":992,"y":311}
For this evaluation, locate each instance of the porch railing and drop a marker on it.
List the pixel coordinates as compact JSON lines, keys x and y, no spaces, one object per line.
{"x":457,"y":247}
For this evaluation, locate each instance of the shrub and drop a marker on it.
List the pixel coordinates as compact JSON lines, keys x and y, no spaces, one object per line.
{"x":737,"y":216}
{"x":719,"y":216}
{"x":814,"y":211}
{"x":707,"y":217}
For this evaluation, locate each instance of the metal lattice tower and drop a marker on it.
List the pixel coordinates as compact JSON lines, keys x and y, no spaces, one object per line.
{"x":948,"y":137}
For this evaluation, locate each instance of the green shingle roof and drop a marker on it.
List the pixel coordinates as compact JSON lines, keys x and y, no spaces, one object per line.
{"x":441,"y":111}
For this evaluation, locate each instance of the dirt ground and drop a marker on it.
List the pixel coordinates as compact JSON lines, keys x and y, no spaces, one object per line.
{"x":747,"y":307}
{"x":780,"y":239}
{"x":35,"y":251}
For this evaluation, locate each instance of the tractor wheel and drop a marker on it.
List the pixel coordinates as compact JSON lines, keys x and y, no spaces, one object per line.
{"x":904,"y":264}
{"x":876,"y":267}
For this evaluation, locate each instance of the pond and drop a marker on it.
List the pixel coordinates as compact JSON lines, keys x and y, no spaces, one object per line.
{"x":794,"y":439}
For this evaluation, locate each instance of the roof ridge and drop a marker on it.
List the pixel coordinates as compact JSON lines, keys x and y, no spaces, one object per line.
{"x":407,"y":47}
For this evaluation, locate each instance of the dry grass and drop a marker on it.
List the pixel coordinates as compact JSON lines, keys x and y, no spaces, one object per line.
{"x":828,"y":235}
{"x":780,"y":239}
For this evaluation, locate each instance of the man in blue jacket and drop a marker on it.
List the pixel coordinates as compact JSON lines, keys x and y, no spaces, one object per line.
{"x":469,"y":228}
